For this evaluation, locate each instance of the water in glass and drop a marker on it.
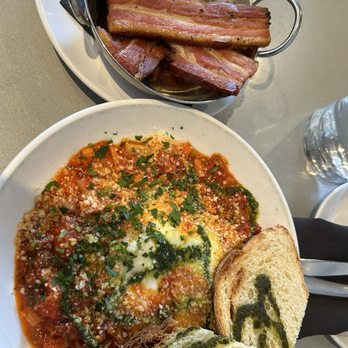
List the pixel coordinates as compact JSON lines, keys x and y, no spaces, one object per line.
{"x":325,"y":142}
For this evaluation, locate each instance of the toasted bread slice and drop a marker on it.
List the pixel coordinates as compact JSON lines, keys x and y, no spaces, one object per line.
{"x":259,"y":292}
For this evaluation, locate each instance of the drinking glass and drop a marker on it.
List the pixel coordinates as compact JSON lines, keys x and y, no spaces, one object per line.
{"x":325,"y":142}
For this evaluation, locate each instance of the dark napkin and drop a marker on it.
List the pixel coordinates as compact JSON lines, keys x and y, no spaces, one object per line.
{"x":320,"y":239}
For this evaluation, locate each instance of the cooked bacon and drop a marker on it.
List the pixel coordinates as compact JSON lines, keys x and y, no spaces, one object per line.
{"x":113,"y":45}
{"x":216,"y":24}
{"x":225,"y":70}
{"x":139,"y":57}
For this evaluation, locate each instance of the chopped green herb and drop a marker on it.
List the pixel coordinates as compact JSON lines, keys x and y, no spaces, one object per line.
{"x":191,"y":203}
{"x":62,"y":234}
{"x":172,"y":193}
{"x":159,"y":192}
{"x":34,"y":243}
{"x":92,"y":172}
{"x":63,"y":210}
{"x":152,"y":255}
{"x":137,"y":209}
{"x":111,"y":272}
{"x":143,"y":195}
{"x":101,"y":152}
{"x":216,"y":167}
{"x":90,"y":186}
{"x":54,"y":211}
{"x":104,"y":192}
{"x":154,"y":212}
{"x":63,"y":280}
{"x":165,"y":144}
{"x":51,"y":184}
{"x":154,"y":183}
{"x":110,"y":141}
{"x":142,"y":181}
{"x":31,"y":263}
{"x":60,"y":250}
{"x":138,"y":137}
{"x":174,"y":216}
{"x":125,"y":180}
{"x":143,"y":160}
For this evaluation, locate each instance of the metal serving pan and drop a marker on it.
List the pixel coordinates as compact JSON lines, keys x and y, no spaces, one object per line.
{"x":91,"y":13}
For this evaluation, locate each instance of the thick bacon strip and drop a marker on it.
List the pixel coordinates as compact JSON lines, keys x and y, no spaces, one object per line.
{"x":139,"y":57}
{"x":216,"y":24}
{"x":224,"y":70}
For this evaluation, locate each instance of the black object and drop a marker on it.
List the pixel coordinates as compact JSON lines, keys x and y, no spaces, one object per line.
{"x":321,"y":239}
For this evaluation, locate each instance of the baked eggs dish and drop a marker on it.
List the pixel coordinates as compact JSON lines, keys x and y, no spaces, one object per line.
{"x":124,"y":236}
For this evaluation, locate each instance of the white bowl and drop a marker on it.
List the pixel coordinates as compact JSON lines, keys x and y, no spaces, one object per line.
{"x":32,"y":168}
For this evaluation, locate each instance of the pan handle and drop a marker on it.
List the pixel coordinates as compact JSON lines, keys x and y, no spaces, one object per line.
{"x":78,"y":8}
{"x":293,"y":33}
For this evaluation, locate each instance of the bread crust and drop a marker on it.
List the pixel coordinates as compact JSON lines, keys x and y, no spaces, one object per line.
{"x":229,"y":279}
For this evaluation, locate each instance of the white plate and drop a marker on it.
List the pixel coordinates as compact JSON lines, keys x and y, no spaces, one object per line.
{"x":81,"y":54}
{"x":27,"y":174}
{"x":335,"y":208}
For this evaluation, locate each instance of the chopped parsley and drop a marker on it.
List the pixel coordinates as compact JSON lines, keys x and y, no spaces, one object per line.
{"x":138,"y":137}
{"x":62,"y":234}
{"x":159,"y":192}
{"x":215,"y":168}
{"x":174,"y":216}
{"x":165,"y":144}
{"x":63,"y":280}
{"x":143,"y":160}
{"x":60,"y":250}
{"x":92,"y":172}
{"x":50,"y":185}
{"x":63,"y":210}
{"x":101,"y":152}
{"x":154,"y":212}
{"x":142,"y":181}
{"x":125,"y":180}
{"x":110,"y":271}
{"x":191,"y":203}
{"x":106,"y":192}
{"x":90,"y":186}
{"x":34,"y":243}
